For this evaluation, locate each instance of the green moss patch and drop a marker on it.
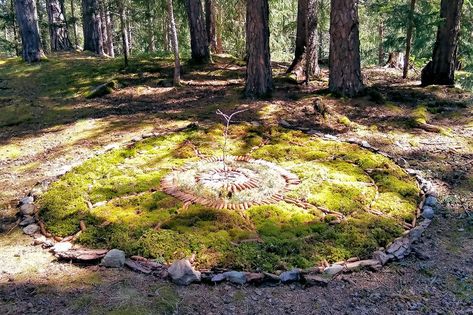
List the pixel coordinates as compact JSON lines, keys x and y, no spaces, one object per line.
{"x":118,"y":196}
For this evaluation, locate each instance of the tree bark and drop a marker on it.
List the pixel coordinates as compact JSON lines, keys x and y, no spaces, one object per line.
{"x":441,"y":70}
{"x":103,"y":27}
{"x":92,"y":26}
{"x":410,"y":26}
{"x":174,"y":44}
{"x":27,"y":18}
{"x":76,"y":41}
{"x":199,"y":39}
{"x":258,"y":67}
{"x":218,"y":25}
{"x":15,"y":36}
{"x":381,"y":42}
{"x":306,"y":55}
{"x":211,"y":25}
{"x":124,"y":31}
{"x":109,"y":22}
{"x":150,"y":26}
{"x":345,"y":69}
{"x":57,"y":26}
{"x":311,"y":55}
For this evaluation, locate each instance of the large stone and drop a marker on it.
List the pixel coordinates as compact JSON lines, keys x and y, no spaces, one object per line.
{"x":236,"y":277}
{"x":182,"y":272}
{"x":26,"y":200}
{"x":115,"y":258}
{"x":137,"y":266}
{"x":431,"y":201}
{"x":31,"y":229}
{"x":61,"y":247}
{"x":382,"y":257}
{"x":334,"y":269}
{"x":290,"y":276}
{"x":27,"y":209}
{"x":416,"y":233}
{"x":218,"y":278}
{"x":428,"y":212}
{"x":254,"y":277}
{"x":27,"y":220}
{"x":82,"y":254}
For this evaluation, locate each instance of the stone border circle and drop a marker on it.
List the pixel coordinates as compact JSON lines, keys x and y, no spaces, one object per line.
{"x":181,"y":271}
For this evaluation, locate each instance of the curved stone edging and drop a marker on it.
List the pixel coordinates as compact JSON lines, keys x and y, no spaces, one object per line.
{"x":181,"y":271}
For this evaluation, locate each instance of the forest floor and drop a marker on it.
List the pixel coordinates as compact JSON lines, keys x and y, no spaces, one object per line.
{"x":47,"y":126}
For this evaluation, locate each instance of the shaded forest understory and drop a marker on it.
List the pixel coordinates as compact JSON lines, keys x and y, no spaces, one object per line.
{"x":47,"y":125}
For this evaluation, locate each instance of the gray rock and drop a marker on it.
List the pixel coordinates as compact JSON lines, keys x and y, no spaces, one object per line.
{"x":254,"y":277}
{"x":182,"y":272}
{"x":27,"y":220}
{"x":26,"y":200}
{"x":402,"y":252}
{"x":431,"y":201}
{"x":334,"y":269}
{"x":27,"y":209}
{"x":382,"y":257}
{"x":31,"y":229}
{"x":290,"y":276}
{"x":39,"y":239}
{"x":428,"y":212}
{"x":218,"y":278}
{"x":416,"y":233}
{"x":61,"y":247}
{"x":115,"y":258}
{"x":235,"y":277}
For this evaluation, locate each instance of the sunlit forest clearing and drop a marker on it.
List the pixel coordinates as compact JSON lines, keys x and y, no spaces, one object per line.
{"x":232,"y":157}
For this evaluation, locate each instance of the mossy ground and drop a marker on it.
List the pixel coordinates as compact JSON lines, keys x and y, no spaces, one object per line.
{"x":142,"y":220}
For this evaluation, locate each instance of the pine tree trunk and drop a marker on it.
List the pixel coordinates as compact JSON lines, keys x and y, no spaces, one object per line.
{"x":128,"y":28}
{"x":301,"y":32}
{"x":76,"y":40}
{"x":109,"y":22}
{"x":15,"y":36}
{"x":441,"y":70}
{"x":312,"y":54}
{"x":211,"y":25}
{"x":381,"y":43}
{"x":103,"y":27}
{"x":306,"y":41}
{"x":57,"y":26}
{"x":150,"y":26}
{"x":124,"y":31}
{"x":92,"y":27}
{"x":199,"y":38}
{"x":174,"y":44}
{"x":258,"y":67}
{"x":345,"y":70}
{"x":27,"y":18}
{"x":410,"y":26}
{"x":218,"y":30}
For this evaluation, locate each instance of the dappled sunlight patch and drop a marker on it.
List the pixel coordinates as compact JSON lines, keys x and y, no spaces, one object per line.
{"x":346,"y":201}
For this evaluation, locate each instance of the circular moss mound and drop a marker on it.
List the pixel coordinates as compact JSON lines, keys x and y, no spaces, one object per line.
{"x":349,"y":201}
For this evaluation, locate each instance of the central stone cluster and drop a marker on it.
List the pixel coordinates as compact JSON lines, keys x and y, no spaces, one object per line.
{"x":238,"y":183}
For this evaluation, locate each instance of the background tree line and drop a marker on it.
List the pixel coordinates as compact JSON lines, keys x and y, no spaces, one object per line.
{"x":124,"y":27}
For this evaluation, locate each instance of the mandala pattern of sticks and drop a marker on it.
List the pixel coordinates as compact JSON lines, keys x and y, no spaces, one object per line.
{"x":238,"y":183}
